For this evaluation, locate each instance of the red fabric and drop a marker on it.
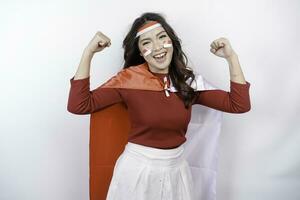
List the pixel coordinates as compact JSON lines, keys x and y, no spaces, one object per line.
{"x":108,"y":136}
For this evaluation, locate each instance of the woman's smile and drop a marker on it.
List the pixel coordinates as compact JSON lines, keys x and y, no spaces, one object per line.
{"x":160,"y":58}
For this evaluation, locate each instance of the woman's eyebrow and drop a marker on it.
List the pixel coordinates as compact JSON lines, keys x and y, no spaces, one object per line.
{"x":156,"y":35}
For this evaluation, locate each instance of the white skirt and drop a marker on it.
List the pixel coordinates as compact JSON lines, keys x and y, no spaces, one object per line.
{"x":147,"y":173}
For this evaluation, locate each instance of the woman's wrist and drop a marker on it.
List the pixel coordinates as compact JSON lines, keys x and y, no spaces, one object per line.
{"x":232,"y":57}
{"x":88,"y":53}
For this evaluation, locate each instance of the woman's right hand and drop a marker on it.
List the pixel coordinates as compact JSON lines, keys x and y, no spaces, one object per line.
{"x":98,"y":43}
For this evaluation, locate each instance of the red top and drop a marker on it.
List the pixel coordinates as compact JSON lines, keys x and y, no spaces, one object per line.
{"x":156,"y":120}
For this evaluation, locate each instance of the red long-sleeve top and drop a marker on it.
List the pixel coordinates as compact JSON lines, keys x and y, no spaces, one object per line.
{"x":156,"y":120}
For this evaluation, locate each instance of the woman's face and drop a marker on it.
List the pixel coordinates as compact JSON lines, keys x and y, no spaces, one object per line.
{"x":153,"y":48}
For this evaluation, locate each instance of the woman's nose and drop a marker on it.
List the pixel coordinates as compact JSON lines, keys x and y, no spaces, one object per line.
{"x":157,"y":45}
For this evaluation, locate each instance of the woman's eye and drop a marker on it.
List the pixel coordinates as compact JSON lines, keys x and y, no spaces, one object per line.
{"x":145,"y":43}
{"x":162,"y":36}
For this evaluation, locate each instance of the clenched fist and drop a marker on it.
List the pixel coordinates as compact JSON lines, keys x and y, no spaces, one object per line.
{"x":222,"y":48}
{"x":98,"y":43}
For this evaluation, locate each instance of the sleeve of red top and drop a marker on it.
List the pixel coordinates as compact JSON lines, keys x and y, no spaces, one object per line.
{"x":235,"y":101}
{"x":83,"y":101}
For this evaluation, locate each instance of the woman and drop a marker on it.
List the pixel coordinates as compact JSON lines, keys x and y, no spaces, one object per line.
{"x":152,"y":165}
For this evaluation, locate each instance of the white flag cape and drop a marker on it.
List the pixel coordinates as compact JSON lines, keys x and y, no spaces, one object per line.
{"x":201,"y":146}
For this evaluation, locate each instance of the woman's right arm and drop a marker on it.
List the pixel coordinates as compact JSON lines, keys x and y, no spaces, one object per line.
{"x":83,"y":70}
{"x":97,"y":44}
{"x":81,"y":99}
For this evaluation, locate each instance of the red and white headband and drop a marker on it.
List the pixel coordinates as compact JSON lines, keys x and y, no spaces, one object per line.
{"x":147,"y":27}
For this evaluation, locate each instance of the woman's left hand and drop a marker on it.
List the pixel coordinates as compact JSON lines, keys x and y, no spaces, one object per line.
{"x":222,"y":48}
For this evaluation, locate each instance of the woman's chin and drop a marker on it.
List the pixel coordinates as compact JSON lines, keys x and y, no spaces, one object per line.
{"x":161,"y":66}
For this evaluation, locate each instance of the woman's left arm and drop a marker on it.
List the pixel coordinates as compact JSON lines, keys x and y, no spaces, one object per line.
{"x":235,"y":101}
{"x":238,"y":99}
{"x":221,"y":47}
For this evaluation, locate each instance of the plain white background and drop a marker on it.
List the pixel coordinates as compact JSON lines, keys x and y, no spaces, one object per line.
{"x":44,"y":148}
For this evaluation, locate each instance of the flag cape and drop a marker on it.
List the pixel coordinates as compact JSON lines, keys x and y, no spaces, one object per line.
{"x":109,"y":130}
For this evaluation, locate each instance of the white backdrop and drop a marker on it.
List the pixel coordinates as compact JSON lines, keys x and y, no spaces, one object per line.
{"x":44,"y":148}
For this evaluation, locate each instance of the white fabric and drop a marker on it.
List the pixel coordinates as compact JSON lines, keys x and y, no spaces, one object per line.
{"x":146,"y":173}
{"x":201,"y":147}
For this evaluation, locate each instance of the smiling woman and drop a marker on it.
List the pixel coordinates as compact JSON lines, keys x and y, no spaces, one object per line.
{"x":155,"y":92}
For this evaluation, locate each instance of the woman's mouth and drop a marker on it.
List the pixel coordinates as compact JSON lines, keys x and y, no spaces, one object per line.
{"x":160,"y":58}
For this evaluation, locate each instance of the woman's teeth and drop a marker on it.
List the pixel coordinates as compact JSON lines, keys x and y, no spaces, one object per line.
{"x":160,"y":57}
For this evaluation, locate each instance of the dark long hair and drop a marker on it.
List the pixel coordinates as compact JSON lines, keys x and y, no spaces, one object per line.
{"x":178,"y":70}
